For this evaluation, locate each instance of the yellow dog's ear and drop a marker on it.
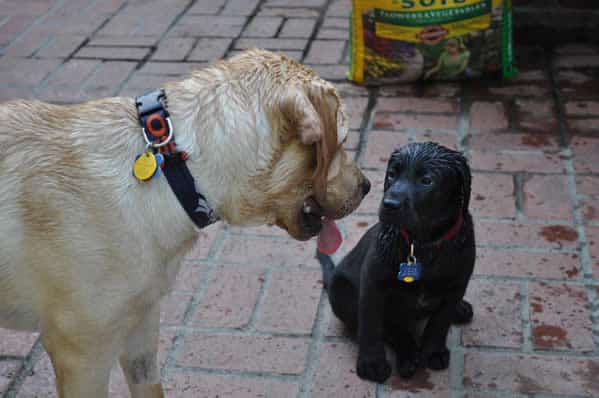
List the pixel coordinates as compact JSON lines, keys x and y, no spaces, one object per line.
{"x":327,"y":102}
{"x":300,"y":116}
{"x":310,"y":113}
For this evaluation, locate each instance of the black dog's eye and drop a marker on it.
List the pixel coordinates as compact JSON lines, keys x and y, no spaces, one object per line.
{"x":390,"y":175}
{"x":426,"y":180}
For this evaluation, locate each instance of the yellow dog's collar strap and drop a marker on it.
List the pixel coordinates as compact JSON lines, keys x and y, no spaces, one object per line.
{"x":158,"y":133}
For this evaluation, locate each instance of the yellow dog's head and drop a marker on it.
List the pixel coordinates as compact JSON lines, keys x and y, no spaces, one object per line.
{"x":286,"y":153}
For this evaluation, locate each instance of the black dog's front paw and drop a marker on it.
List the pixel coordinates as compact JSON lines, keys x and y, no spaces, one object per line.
{"x":436,"y":360}
{"x":463,"y":313}
{"x":374,"y":368}
{"x":407,"y":366}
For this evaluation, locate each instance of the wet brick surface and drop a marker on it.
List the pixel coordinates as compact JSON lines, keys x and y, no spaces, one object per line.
{"x":248,"y":317}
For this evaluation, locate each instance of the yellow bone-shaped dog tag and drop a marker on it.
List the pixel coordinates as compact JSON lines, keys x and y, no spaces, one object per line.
{"x":145,"y":166}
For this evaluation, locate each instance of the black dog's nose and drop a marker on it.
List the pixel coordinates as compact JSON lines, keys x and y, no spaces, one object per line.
{"x":365,"y":187}
{"x":391,"y":203}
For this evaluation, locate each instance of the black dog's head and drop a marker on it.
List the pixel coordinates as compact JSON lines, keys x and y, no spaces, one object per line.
{"x":426,"y":186}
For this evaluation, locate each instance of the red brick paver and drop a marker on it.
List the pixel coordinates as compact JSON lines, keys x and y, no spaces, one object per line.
{"x":211,"y":385}
{"x":247,"y":316}
{"x":532,"y":374}
{"x":497,"y":315}
{"x":272,"y":354}
{"x":559,"y":318}
{"x":230,"y":298}
{"x":336,"y":374}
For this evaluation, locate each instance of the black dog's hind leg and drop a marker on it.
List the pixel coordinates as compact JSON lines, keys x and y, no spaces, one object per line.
{"x":463,"y":313}
{"x":343,"y":297}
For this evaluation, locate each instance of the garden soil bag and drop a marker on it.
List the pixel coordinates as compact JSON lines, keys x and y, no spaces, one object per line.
{"x":407,"y":40}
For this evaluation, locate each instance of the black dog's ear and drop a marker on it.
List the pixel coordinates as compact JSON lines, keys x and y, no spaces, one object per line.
{"x":394,"y":158}
{"x":465,"y":177}
{"x":387,"y":180}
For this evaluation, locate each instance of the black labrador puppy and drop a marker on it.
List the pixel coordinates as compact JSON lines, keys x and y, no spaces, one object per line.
{"x":404,"y":282}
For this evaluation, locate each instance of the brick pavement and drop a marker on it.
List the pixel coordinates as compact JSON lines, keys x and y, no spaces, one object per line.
{"x":248,"y":317}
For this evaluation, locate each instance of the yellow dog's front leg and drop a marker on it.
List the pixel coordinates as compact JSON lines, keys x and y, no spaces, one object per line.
{"x":140,"y":359}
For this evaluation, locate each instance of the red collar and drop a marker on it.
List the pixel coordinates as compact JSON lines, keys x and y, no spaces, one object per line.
{"x":449,"y":235}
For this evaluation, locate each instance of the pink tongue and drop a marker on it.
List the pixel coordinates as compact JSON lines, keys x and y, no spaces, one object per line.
{"x":329,"y":238}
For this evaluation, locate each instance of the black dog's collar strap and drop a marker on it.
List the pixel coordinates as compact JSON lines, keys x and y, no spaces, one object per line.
{"x":159,"y":135}
{"x":411,"y":270}
{"x":449,"y":235}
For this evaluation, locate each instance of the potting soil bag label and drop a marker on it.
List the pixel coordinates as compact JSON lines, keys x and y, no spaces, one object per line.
{"x":406,"y":40}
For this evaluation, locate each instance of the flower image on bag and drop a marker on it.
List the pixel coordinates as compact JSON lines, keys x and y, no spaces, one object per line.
{"x":406,"y":40}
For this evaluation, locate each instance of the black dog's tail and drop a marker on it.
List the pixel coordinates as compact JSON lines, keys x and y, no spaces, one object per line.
{"x":327,"y":265}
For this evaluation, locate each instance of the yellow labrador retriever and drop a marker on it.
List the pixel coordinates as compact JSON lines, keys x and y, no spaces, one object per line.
{"x":87,"y":250}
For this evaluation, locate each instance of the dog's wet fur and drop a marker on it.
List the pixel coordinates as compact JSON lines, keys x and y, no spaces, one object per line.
{"x":88,"y":251}
{"x":427,"y":188}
